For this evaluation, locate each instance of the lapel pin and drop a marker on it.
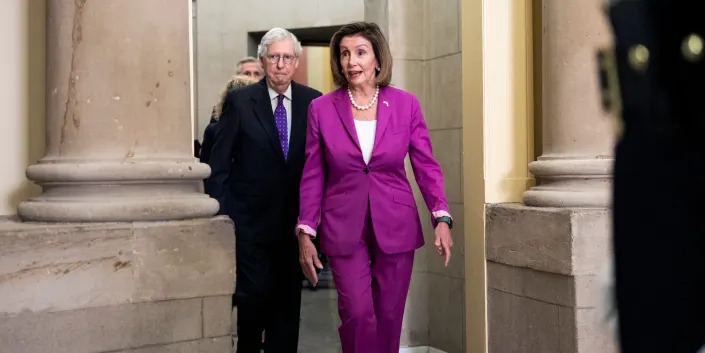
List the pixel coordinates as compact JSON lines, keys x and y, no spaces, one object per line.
{"x":386,"y":103}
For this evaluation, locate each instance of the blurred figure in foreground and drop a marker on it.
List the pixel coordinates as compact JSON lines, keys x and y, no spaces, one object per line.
{"x":658,"y":88}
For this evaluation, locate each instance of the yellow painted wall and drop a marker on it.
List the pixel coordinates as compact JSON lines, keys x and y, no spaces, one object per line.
{"x":22,"y":24}
{"x":498,"y":130}
{"x":319,"y":75}
{"x":473,"y":176}
{"x":538,"y":68}
{"x":508,"y":99}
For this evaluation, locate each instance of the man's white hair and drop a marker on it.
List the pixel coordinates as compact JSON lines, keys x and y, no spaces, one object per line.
{"x":274,"y":35}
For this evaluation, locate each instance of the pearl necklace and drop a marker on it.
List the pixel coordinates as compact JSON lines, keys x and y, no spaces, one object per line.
{"x":363,"y":107}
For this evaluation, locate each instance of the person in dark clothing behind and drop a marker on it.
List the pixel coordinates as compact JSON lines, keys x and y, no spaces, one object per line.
{"x":235,"y":82}
{"x":256,"y":161}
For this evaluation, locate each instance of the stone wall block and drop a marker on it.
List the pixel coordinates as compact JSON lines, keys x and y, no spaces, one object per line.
{"x":184,"y":260}
{"x":521,"y":325}
{"x":56,"y":267}
{"x":103,"y":328}
{"x":217,"y":316}
{"x":555,"y":240}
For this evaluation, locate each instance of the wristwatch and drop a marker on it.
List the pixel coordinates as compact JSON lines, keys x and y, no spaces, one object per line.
{"x":445,"y":219}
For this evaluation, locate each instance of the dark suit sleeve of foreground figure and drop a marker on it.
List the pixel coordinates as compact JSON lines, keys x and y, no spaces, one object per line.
{"x":659,"y":212}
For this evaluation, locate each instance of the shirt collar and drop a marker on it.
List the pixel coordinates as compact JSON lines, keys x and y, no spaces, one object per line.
{"x":273,"y":94}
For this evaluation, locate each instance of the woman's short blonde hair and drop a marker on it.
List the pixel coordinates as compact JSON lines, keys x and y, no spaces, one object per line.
{"x":236,"y":81}
{"x":380,"y":46}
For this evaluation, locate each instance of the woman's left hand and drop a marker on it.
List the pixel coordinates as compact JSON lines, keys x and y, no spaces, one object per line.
{"x":443,"y":241}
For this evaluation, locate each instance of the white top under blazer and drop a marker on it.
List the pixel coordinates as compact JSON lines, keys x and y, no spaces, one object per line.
{"x":366,"y":135}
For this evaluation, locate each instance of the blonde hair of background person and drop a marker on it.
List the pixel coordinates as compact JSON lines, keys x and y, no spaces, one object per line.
{"x":236,"y":81}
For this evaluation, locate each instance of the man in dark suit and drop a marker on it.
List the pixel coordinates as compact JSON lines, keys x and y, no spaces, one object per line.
{"x":257,"y":161}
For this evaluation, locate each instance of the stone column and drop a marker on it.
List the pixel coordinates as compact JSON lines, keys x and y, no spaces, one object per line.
{"x":118,"y":153}
{"x":575,"y":167}
{"x":118,"y":132}
{"x":544,"y":263}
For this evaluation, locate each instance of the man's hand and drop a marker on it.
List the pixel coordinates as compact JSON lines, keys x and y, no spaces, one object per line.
{"x":308,"y":258}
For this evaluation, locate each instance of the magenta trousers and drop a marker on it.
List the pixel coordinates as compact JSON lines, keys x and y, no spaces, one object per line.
{"x":372,"y":288}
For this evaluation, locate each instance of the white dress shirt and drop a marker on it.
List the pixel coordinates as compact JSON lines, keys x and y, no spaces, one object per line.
{"x":287,"y":105}
{"x":366,"y":135}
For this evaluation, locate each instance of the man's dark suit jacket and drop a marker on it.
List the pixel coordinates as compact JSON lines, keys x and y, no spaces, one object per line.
{"x":250,"y":178}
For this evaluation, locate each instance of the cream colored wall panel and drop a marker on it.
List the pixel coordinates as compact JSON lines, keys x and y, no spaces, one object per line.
{"x":447,"y":147}
{"x":412,"y":76}
{"x":22,"y":26}
{"x":445,"y":93}
{"x":407,"y":29}
{"x":443,"y":28}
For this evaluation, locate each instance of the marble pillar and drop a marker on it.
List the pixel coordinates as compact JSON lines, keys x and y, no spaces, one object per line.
{"x":575,"y":167}
{"x":118,"y":121}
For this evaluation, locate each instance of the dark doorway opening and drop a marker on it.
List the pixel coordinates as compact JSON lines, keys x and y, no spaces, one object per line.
{"x":309,"y":37}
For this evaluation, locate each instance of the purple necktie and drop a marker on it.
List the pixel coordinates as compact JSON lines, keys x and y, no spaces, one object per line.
{"x":280,"y":120}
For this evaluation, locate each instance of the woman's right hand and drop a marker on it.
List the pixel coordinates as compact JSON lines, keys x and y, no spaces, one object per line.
{"x":308,"y":258}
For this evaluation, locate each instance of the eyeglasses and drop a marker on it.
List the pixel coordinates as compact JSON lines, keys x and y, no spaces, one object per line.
{"x":274,"y":58}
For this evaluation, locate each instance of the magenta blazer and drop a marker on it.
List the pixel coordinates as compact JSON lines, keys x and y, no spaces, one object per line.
{"x":336,"y":185}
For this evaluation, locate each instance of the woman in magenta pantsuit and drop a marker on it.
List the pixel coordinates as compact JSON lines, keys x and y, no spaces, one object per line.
{"x":354,"y":186}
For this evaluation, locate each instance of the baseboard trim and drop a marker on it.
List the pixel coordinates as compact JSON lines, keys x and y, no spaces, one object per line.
{"x":420,"y":349}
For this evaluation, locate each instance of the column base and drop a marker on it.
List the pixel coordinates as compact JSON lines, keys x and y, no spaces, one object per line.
{"x":571,"y":182}
{"x":117,"y":287}
{"x":546,"y":196}
{"x":544,"y":279}
{"x":118,"y":192}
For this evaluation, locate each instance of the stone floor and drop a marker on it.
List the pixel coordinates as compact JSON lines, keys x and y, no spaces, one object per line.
{"x":318,"y":331}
